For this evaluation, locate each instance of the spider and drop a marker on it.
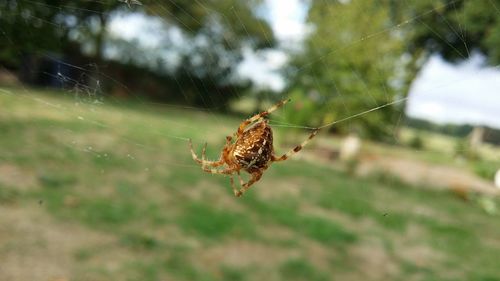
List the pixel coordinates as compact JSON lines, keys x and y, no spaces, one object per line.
{"x":252,"y":151}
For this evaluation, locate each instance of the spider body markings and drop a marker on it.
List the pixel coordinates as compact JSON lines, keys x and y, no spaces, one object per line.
{"x":252,"y":151}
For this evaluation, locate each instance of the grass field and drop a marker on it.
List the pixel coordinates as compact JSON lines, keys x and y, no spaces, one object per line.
{"x":442,"y":149}
{"x":109,"y":192}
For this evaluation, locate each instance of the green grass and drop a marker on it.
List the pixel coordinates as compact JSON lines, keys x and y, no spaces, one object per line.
{"x":123,"y":171}
{"x":212,"y":222}
{"x":300,"y":269}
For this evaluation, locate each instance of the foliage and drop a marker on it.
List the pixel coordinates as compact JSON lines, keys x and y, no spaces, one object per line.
{"x":345,"y":69}
{"x":235,"y":18}
{"x":30,"y":27}
{"x":305,"y":109}
{"x":486,"y":169}
{"x":447,"y":129}
{"x":39,"y":38}
{"x":453,"y":28}
{"x":362,"y":54}
{"x":416,"y":141}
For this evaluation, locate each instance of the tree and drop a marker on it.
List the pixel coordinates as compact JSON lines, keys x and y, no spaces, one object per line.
{"x":453,"y":28}
{"x":215,"y":33}
{"x":349,"y":65}
{"x":365,"y":53}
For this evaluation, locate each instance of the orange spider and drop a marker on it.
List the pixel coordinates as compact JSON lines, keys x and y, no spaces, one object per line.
{"x":252,"y":151}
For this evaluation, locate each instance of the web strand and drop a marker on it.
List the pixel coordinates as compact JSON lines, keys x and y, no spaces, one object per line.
{"x":211,"y":109}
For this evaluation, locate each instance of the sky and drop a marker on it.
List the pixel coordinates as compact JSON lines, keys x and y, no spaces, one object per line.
{"x":465,"y":93}
{"x":468,"y":92}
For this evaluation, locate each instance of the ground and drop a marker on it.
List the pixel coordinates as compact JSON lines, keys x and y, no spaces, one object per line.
{"x":92,"y":191}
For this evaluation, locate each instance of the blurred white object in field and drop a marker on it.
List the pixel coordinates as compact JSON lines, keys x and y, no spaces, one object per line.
{"x":497,"y":179}
{"x":351,"y":147}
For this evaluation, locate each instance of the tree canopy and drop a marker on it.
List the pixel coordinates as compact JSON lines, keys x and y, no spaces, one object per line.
{"x":453,"y":28}
{"x":362,"y":54}
{"x":214,"y":34}
{"x":348,"y":65}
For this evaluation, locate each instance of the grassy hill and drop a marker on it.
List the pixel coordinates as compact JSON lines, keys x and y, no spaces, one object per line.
{"x":92,"y":191}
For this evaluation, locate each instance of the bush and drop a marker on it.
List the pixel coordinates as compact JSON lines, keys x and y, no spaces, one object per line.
{"x":416,"y":142}
{"x":485,"y":169}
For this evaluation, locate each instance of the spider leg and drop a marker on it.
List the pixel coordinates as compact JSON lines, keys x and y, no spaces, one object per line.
{"x":241,"y":180}
{"x":295,"y":149}
{"x":232,"y":186}
{"x":203,"y":161}
{"x":256,"y":117}
{"x":193,"y":154}
{"x":206,"y":164}
{"x":204,"y":155}
{"x":255,"y":177}
{"x":227,"y":171}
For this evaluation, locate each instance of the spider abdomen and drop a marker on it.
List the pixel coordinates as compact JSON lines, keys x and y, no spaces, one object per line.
{"x":254,"y":148}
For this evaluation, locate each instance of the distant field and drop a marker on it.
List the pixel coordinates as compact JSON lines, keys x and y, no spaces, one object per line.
{"x":440,"y":148}
{"x":92,"y":191}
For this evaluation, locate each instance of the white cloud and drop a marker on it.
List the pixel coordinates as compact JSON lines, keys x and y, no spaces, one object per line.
{"x":465,"y":93}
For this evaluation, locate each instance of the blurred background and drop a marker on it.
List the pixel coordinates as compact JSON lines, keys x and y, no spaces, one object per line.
{"x":99,"y":97}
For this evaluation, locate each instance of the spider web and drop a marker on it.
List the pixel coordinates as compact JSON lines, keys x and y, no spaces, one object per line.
{"x":89,"y":97}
